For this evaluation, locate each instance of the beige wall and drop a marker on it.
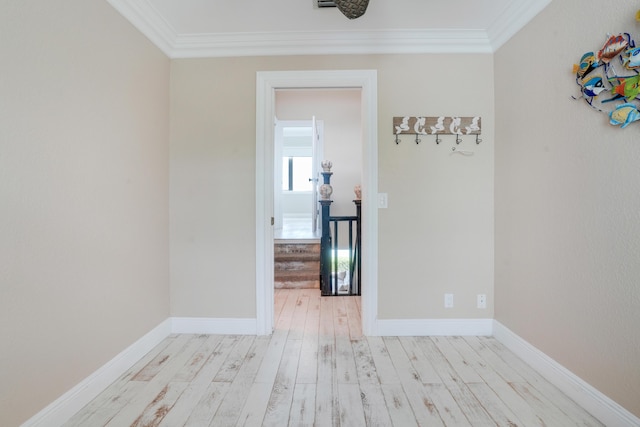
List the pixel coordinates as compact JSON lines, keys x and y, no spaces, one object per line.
{"x":568,"y":203}
{"x":435,"y":237}
{"x":84,"y":105}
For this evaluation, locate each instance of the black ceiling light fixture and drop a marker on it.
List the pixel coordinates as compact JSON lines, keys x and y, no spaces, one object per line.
{"x":352,"y":9}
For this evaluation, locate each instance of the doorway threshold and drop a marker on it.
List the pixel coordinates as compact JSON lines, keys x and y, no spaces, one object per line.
{"x":280,"y":241}
{"x":298,"y":230}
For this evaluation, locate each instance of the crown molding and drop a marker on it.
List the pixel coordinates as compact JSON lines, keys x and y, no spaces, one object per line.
{"x":512,"y":20}
{"x":330,"y":42}
{"x":146,"y":18}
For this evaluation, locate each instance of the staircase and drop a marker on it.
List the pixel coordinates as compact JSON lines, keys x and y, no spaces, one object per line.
{"x":296,"y":265}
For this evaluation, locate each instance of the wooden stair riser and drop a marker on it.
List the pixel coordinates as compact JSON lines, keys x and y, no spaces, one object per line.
{"x":298,"y":271}
{"x":297,"y":266}
{"x":297,"y":247}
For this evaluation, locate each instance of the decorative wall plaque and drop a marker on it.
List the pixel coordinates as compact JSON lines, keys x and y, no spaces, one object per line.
{"x":441,"y":125}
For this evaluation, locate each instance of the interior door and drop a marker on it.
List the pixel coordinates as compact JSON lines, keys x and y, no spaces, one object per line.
{"x":315,"y":174}
{"x":297,"y":138}
{"x":277,"y":179}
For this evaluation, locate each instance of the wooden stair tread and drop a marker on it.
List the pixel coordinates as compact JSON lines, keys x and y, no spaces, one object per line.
{"x":292,"y":276}
{"x":297,"y":248}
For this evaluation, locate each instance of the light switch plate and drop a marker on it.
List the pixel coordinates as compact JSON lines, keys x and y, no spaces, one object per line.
{"x":448,"y":300}
{"x":383,"y":201}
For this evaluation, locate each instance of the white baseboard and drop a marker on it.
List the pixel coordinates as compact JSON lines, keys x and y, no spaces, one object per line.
{"x":63,"y":408}
{"x":434,"y":327}
{"x":597,"y":404}
{"x":217,"y":326}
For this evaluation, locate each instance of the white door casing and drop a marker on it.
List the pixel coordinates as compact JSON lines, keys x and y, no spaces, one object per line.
{"x":266,"y":84}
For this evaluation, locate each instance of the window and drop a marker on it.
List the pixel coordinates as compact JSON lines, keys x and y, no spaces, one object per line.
{"x":296,"y":172}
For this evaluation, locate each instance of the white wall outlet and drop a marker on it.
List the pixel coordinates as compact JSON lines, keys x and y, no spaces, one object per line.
{"x":482,"y":301}
{"x":383,"y":200}
{"x":448,"y":300}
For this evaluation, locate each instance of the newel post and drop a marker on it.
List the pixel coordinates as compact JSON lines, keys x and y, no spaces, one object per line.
{"x":325,"y":201}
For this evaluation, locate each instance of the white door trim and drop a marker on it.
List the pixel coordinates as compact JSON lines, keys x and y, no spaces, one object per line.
{"x":266,"y":84}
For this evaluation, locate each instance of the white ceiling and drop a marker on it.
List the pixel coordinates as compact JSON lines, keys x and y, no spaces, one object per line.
{"x":209,"y":28}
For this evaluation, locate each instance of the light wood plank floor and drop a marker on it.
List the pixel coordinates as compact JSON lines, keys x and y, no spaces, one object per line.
{"x":318,"y":370}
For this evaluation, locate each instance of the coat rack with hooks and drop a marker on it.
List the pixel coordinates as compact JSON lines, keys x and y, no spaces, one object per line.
{"x":442,"y":125}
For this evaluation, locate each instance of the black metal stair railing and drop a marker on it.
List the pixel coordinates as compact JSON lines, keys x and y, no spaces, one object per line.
{"x":333,"y":279}
{"x":349,"y":282}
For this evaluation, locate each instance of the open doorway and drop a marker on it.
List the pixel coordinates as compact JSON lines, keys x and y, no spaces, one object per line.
{"x":267,"y":85}
{"x":334,"y":134}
